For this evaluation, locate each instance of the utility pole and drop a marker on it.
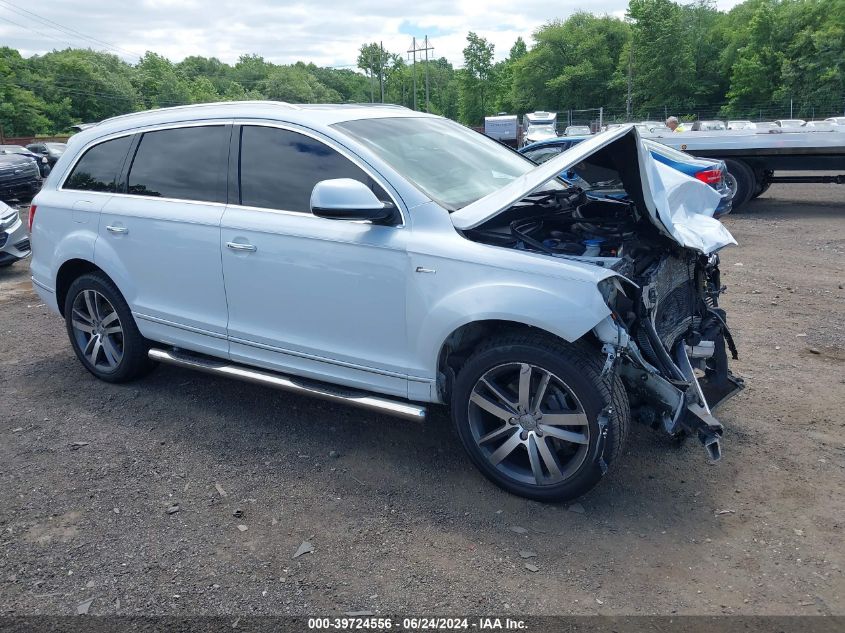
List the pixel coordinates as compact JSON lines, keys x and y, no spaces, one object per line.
{"x":416,"y":50}
{"x":628,"y":102}
{"x":381,"y":68}
{"x":372,"y":95}
{"x":427,"y":48}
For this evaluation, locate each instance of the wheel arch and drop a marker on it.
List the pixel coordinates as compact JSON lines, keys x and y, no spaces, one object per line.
{"x":69,"y":271}
{"x":460,"y":344}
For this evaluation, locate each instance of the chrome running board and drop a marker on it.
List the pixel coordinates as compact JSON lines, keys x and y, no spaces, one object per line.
{"x":303,"y":386}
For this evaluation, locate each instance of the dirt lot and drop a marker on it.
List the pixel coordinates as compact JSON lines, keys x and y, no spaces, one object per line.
{"x":400,"y":522}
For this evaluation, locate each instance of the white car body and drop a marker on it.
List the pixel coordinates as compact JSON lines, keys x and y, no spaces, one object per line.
{"x":349,"y":303}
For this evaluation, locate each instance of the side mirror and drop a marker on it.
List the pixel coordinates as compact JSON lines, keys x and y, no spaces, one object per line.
{"x":348,"y":199}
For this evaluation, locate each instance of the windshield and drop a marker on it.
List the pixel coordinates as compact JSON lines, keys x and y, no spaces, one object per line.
{"x":451,"y":164}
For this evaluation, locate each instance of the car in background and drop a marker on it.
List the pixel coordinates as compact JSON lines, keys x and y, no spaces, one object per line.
{"x":51,"y":151}
{"x":836,"y":121}
{"x":577,"y":130}
{"x":767,"y":126}
{"x":14,"y":238}
{"x":661,"y":129}
{"x":790,"y":123}
{"x":43,"y":163}
{"x":710,"y":171}
{"x":741,"y":125}
{"x":712,"y":126}
{"x":538,"y":126}
{"x":20,"y":178}
{"x":822,"y":126}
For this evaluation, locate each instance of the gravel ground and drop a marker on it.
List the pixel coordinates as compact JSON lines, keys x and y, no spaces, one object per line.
{"x":185,"y":494}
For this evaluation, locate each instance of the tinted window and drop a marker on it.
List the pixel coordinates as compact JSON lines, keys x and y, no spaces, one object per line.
{"x":184,"y":163}
{"x":279,"y":169}
{"x":98,"y":168}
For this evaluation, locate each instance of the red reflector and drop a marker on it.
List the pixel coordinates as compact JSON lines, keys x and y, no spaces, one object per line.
{"x":32,"y":209}
{"x":710,"y":176}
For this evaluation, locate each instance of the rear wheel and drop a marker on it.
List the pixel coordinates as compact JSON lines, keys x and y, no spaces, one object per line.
{"x":102,"y":331}
{"x":742,"y":181}
{"x":537,"y":419}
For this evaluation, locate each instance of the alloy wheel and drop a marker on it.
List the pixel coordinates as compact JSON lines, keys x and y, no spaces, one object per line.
{"x":97,"y":330}
{"x":528,"y":424}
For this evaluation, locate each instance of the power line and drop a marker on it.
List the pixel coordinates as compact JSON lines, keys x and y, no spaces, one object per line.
{"x":23,"y":26}
{"x":66,"y":29}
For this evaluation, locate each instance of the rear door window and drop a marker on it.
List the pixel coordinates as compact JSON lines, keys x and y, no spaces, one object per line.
{"x":279,"y":168}
{"x":183,"y":163}
{"x":99,"y":167}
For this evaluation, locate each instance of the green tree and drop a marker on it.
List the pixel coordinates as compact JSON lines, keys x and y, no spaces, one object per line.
{"x":571,"y":65}
{"x":475,"y":80}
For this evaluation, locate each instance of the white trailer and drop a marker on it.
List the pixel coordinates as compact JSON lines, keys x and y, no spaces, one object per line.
{"x":502,"y":127}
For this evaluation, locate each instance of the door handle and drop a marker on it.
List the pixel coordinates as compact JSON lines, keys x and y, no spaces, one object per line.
{"x":119,"y":230}
{"x":247,"y":248}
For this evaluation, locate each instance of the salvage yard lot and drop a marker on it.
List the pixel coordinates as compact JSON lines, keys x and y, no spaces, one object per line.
{"x":183,"y":493}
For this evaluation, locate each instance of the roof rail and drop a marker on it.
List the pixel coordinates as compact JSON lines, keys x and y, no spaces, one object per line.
{"x":192,"y":106}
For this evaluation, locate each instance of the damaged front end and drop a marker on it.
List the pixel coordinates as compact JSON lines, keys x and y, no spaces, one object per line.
{"x":651,"y":228}
{"x":669,"y":340}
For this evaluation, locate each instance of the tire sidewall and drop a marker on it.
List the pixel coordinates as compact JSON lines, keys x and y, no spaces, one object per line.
{"x":590,"y":471}
{"x":746,"y":183}
{"x":93,"y":282}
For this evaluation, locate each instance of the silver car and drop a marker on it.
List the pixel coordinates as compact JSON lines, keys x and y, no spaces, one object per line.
{"x":14,"y":238}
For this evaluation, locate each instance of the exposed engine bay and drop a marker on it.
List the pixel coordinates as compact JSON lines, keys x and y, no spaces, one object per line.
{"x":667,"y":337}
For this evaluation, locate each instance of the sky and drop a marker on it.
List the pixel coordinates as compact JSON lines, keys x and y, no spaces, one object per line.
{"x":328,"y":33}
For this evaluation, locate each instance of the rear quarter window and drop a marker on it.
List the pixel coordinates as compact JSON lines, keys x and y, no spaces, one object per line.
{"x":99,"y":166}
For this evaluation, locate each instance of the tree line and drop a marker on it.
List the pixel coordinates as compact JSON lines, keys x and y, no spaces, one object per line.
{"x":663,"y":57}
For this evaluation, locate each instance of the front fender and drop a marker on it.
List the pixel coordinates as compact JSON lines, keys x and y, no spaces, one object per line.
{"x":569,"y":310}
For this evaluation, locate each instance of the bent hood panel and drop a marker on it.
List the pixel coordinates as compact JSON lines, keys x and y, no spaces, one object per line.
{"x":680,"y":206}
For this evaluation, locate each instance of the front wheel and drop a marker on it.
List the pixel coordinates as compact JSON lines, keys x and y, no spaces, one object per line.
{"x":536,"y":417}
{"x":102,"y":331}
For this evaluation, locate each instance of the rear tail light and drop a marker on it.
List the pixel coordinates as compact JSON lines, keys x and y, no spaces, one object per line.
{"x":32,"y":209}
{"x":710,"y":176}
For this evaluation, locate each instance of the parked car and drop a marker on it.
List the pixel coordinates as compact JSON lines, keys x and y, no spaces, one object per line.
{"x":741,"y":125}
{"x":20,"y":178}
{"x":51,"y":151}
{"x":14,"y":239}
{"x":710,"y":171}
{"x":790,"y":123}
{"x":661,"y":129}
{"x":577,"y":130}
{"x":396,"y":260}
{"x":838,"y":121}
{"x":767,"y":126}
{"x":43,"y":164}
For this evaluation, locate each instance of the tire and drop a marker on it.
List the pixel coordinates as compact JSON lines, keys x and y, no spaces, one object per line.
{"x":761,"y":190}
{"x":574,"y":389}
{"x":102,"y":332}
{"x":746,"y":183}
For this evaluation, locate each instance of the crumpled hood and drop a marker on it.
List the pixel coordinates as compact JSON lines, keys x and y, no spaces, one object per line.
{"x":680,"y":206}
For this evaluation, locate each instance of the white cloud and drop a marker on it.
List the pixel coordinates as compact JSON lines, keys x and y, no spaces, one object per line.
{"x":328,"y":33}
